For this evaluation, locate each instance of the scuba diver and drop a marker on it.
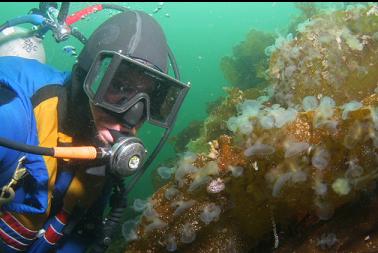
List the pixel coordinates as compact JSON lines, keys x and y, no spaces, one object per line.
{"x":88,"y":119}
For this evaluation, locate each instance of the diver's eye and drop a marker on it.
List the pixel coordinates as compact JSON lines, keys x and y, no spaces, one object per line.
{"x":115,"y":89}
{"x":121,"y":88}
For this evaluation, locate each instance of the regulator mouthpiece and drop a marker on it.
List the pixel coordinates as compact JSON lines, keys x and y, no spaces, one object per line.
{"x":127,"y":156}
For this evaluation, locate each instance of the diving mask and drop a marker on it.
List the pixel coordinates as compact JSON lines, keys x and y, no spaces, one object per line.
{"x":122,"y":85}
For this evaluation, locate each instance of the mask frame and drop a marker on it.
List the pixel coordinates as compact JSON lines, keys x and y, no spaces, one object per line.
{"x":104,"y":70}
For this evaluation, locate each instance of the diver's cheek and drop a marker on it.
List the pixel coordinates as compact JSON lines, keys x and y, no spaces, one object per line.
{"x":105,"y":136}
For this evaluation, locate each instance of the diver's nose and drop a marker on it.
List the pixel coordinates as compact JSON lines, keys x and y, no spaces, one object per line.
{"x":134,"y":116}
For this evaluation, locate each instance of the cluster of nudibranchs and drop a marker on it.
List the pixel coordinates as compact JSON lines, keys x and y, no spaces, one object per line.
{"x":304,"y":155}
{"x":175,"y":202}
{"x":324,"y":152}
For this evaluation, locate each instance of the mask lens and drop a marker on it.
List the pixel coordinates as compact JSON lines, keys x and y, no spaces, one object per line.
{"x":127,"y":82}
{"x":93,"y":86}
{"x":163,"y":99}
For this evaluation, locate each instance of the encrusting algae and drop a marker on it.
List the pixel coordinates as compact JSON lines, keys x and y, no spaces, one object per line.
{"x":297,"y":157}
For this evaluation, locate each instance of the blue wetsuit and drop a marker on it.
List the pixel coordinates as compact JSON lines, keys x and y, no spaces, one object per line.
{"x":29,"y":114}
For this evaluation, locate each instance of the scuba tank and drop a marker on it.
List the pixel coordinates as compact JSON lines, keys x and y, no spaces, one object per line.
{"x":18,"y":41}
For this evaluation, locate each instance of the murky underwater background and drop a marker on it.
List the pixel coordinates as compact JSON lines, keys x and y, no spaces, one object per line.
{"x":204,"y":38}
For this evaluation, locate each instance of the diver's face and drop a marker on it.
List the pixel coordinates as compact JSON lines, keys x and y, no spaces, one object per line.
{"x":105,"y":122}
{"x":126,"y":84}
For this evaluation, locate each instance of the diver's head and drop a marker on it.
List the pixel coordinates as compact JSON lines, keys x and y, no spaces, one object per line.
{"x":132,"y":33}
{"x":18,"y":41}
{"x":116,"y":58}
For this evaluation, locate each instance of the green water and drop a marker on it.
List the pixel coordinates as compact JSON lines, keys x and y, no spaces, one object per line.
{"x":199,"y":34}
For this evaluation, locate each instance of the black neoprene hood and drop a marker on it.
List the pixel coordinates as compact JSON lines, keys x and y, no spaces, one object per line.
{"x":132,"y":33}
